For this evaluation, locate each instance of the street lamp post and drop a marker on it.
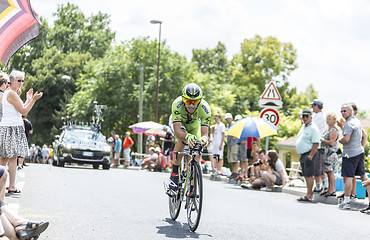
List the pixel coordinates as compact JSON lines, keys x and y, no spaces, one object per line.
{"x":67,"y":78}
{"x":159,"y":57}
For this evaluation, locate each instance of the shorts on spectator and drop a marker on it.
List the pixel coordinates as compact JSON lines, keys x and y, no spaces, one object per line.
{"x":232,"y":154}
{"x":307,"y":165}
{"x":216,"y":150}
{"x":117,"y":155}
{"x":353,"y":166}
{"x":242,"y":153}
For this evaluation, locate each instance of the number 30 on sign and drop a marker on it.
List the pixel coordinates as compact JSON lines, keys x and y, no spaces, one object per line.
{"x":270,"y":115}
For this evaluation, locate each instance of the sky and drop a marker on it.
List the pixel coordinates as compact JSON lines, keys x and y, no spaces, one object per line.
{"x":332,"y":37}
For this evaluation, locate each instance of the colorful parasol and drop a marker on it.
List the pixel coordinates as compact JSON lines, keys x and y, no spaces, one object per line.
{"x":142,"y":127}
{"x":252,"y":127}
{"x":157,"y":132}
{"x":18,"y":24}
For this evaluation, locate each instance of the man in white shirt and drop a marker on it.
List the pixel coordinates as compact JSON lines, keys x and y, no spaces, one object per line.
{"x":218,"y":142}
{"x":320,"y":121}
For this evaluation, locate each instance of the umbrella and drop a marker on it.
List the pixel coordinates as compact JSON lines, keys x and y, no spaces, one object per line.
{"x":18,"y":25}
{"x":147,"y":125}
{"x":154,"y":131}
{"x":252,"y":127}
{"x":142,"y":127}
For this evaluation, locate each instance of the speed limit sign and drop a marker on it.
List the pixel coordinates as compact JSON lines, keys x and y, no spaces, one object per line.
{"x":270,"y":115}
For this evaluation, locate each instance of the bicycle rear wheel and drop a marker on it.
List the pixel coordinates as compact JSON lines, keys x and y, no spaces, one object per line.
{"x":194,"y":203}
{"x":175,"y":204}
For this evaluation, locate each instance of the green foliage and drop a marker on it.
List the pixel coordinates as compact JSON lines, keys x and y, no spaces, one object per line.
{"x":114,"y":81}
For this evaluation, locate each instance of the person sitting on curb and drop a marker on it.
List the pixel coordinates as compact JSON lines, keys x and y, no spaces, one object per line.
{"x":275,"y":176}
{"x":12,"y":225}
{"x":160,"y":164}
{"x":150,"y":159}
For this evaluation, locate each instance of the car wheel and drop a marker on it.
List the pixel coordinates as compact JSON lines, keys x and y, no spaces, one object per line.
{"x":95,"y":166}
{"x":60,"y":163}
{"x":106,"y":166}
{"x":54,"y":162}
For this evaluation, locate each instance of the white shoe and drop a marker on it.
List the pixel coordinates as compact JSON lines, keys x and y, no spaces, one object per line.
{"x":344,"y":205}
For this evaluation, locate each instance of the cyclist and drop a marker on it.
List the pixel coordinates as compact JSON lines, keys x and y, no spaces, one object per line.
{"x":190,"y":116}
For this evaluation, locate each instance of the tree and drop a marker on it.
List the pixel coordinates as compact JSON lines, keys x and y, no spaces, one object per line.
{"x":63,"y":49}
{"x":260,"y":61}
{"x":114,"y":81}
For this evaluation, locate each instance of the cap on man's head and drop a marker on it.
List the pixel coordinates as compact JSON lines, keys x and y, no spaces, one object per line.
{"x":152,"y":149}
{"x":317,"y":102}
{"x":228,"y":115}
{"x":128,"y":133}
{"x":238,"y":117}
{"x":157,"y":149}
{"x":306,"y":112}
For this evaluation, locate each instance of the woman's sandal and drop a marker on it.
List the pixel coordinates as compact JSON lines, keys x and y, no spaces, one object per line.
{"x":331,"y":194}
{"x":304,"y":199}
{"x":14,"y":191}
{"x":32,"y":230}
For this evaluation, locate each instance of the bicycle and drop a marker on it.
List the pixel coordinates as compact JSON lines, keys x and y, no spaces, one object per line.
{"x":190,"y":188}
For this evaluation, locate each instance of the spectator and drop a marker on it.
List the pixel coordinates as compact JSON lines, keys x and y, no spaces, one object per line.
{"x":117,"y":150}
{"x":232,"y":148}
{"x":13,"y":141}
{"x":353,"y":162}
{"x":44,"y":153}
{"x":319,"y":120}
{"x":51,"y":154}
{"x":28,"y":130}
{"x":160,"y":164}
{"x":254,"y":164}
{"x":32,"y":153}
{"x":341,"y":123}
{"x":167,"y":145}
{"x":218,"y":143}
{"x":306,"y":145}
{"x":4,"y":83}
{"x":277,"y":175}
{"x":149,"y":160}
{"x":210,"y":149}
{"x":150,"y":142}
{"x":127,"y":144}
{"x":329,"y":143}
{"x":250,"y":141}
{"x":242,"y":155}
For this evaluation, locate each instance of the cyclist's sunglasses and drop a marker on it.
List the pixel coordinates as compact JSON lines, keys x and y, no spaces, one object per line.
{"x":189,"y":101}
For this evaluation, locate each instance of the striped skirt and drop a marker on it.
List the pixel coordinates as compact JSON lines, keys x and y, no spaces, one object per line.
{"x":13,"y":142}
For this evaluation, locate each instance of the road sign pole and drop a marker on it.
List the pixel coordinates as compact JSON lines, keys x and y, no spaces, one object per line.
{"x":267,"y":143}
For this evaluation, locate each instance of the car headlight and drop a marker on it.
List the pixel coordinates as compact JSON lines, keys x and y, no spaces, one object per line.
{"x":68,"y":146}
{"x":107,"y":148}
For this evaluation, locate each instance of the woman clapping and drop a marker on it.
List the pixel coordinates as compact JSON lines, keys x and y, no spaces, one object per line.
{"x":13,"y":142}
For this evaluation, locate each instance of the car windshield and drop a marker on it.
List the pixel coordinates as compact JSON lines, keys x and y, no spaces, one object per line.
{"x":86,"y":135}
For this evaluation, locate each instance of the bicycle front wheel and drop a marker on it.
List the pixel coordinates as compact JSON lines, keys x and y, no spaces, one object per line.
{"x":195,"y":199}
{"x":175,"y":204}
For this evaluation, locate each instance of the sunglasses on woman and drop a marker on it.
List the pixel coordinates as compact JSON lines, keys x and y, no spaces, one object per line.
{"x":20,"y":80}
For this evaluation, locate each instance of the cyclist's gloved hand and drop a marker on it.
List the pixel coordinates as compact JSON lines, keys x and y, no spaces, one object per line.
{"x":203,"y":141}
{"x":191,"y":139}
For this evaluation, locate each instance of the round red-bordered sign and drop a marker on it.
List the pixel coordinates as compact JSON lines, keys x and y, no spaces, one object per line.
{"x":270,"y":115}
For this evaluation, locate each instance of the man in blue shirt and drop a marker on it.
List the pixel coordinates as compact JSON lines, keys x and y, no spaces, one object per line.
{"x":306,"y":145}
{"x":117,"y":151}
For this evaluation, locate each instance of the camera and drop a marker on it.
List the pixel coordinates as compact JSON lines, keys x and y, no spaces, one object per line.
{"x":259,"y":162}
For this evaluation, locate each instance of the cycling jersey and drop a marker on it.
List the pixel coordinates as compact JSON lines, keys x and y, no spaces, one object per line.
{"x":192,"y":123}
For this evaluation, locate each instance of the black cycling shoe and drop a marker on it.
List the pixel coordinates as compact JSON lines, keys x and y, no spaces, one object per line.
{"x":174,"y":181}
